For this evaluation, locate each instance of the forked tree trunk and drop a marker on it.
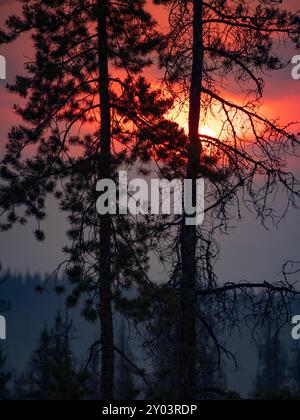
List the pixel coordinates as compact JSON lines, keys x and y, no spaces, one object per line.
{"x":188,"y":345}
{"x":105,"y":272}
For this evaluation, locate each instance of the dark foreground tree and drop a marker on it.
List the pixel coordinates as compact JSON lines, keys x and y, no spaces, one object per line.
{"x":52,"y":373}
{"x":5,"y":377}
{"x":211,"y":47}
{"x":295,"y":367}
{"x":272,"y":363}
{"x":85,"y":105}
{"x":126,"y":381}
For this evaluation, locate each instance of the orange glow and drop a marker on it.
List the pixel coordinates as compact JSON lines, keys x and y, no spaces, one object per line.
{"x":205,"y":130}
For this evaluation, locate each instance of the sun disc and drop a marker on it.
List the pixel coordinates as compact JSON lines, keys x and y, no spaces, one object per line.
{"x":207,"y":131}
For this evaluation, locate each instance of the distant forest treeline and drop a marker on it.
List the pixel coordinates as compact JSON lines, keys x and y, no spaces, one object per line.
{"x":55,"y":370}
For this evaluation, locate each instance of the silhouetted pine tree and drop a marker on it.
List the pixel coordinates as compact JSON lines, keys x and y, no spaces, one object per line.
{"x":125,"y":382}
{"x":272,"y":368}
{"x":52,"y":373}
{"x":5,"y":377}
{"x":210,"y":47}
{"x":93,"y":377}
{"x":85,"y":107}
{"x":211,"y":379}
{"x":294,"y":371}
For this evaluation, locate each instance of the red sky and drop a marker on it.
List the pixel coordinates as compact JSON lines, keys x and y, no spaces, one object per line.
{"x":281,"y":98}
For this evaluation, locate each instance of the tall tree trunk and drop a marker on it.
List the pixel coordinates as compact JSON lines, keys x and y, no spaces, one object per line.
{"x":105,"y":272}
{"x":188,"y":346}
